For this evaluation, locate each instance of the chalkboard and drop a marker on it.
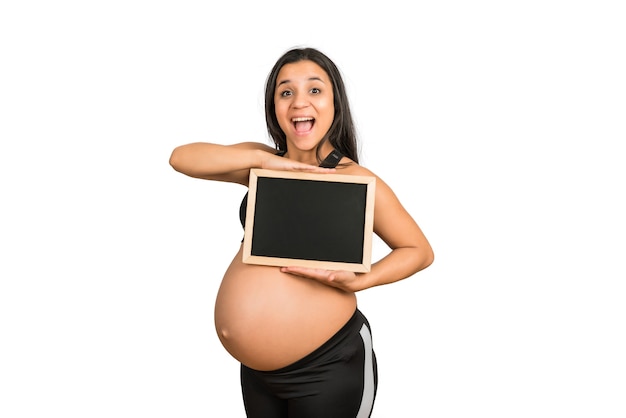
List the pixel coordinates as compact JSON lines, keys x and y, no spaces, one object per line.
{"x":309,"y":220}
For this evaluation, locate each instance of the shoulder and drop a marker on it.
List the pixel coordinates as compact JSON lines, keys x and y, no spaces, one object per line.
{"x":384,"y":193}
{"x":347,"y":166}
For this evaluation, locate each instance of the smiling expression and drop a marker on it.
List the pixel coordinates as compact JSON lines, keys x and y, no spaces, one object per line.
{"x":304,"y":104}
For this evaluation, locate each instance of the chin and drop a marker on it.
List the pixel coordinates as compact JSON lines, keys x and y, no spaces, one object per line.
{"x":303,"y":144}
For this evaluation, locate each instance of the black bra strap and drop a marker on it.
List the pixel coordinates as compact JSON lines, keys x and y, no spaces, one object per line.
{"x":332,"y":159}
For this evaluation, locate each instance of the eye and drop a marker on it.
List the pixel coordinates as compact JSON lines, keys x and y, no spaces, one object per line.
{"x":285,"y":93}
{"x":315,"y":90}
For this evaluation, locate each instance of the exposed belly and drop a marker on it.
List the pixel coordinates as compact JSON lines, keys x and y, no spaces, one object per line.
{"x":267,"y":319}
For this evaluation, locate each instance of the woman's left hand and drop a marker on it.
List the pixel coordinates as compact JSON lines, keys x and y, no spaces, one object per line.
{"x":345,"y":280}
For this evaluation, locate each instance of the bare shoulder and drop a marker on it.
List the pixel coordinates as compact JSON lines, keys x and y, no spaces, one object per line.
{"x":347,"y":166}
{"x":383,"y":192}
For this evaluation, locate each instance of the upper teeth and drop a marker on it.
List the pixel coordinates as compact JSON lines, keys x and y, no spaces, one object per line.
{"x":301,"y":119}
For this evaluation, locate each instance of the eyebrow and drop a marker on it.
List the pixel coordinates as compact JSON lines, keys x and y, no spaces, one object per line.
{"x":310,"y":79}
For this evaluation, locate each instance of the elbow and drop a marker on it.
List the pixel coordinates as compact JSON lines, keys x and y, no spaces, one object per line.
{"x":426,"y":258}
{"x":176,"y":160}
{"x":429,"y":258}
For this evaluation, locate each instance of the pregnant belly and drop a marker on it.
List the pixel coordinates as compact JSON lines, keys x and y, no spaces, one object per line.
{"x":267,"y":319}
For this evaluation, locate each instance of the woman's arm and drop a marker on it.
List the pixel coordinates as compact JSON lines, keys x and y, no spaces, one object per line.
{"x":231,"y":163}
{"x":410,"y":250}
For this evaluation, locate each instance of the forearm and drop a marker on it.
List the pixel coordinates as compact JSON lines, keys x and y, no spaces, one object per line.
{"x":215,"y":162}
{"x":397,"y":265}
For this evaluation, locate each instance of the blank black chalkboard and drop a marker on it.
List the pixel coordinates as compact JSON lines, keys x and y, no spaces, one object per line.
{"x":310,"y":220}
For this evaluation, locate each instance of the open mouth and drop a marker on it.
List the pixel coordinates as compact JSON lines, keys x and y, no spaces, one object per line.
{"x":303,"y":124}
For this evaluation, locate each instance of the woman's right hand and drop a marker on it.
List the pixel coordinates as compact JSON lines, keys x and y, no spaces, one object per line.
{"x":272,"y":161}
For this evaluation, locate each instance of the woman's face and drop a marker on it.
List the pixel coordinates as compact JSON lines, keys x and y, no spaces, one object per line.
{"x":304,"y":104}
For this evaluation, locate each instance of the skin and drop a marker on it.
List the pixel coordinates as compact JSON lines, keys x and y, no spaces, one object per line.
{"x":303,"y":90}
{"x":269,"y":317}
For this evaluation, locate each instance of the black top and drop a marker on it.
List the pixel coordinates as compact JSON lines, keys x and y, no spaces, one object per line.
{"x":330,"y":161}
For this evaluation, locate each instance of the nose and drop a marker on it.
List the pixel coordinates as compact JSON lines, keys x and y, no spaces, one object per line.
{"x":300,"y":100}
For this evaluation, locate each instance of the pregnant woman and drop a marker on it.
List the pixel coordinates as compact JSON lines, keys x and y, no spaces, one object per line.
{"x":304,"y":346}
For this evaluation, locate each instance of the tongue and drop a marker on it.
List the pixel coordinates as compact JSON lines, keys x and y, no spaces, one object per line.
{"x":304,"y":126}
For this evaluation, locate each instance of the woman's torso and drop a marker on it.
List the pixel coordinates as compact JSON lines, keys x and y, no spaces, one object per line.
{"x":267,"y":319}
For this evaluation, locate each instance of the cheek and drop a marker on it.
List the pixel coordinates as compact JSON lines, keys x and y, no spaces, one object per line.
{"x":281,"y":109}
{"x":329,"y":108}
{"x":283,"y":121}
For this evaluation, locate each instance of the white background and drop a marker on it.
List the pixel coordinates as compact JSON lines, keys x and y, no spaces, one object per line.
{"x":500,"y":125}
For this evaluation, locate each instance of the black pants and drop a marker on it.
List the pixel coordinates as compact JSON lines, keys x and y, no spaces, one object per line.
{"x":338,"y":380}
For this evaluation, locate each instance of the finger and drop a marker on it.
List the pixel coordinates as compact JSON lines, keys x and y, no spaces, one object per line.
{"x":306,"y":272}
{"x":314,"y":169}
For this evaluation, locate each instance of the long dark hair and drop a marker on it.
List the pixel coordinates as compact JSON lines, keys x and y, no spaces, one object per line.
{"x":342,"y":134}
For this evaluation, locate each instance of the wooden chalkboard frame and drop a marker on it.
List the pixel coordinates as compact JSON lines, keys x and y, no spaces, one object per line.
{"x":363,"y":214}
